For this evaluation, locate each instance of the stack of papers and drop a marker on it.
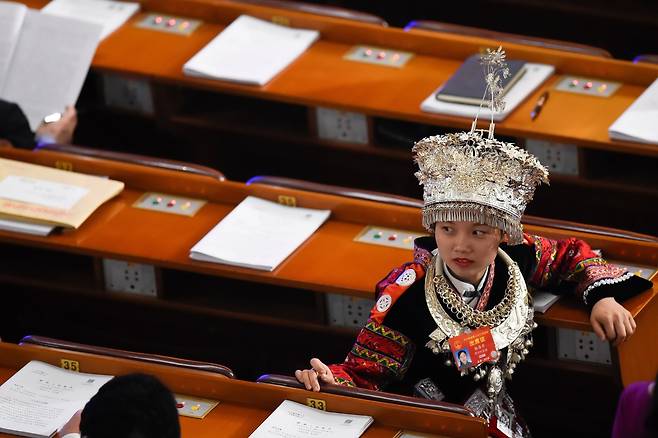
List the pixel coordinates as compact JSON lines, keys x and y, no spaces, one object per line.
{"x":33,"y":199}
{"x":639,"y":122}
{"x":294,"y":420}
{"x":534,"y":76}
{"x":542,"y":301}
{"x":258,"y":234}
{"x":43,"y":59}
{"x":19,"y":226}
{"x":250,"y":51}
{"x":108,"y":13}
{"x":40,"y":398}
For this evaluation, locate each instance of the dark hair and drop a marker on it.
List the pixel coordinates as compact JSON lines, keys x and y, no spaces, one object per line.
{"x":652,"y":417}
{"x":131,"y":406}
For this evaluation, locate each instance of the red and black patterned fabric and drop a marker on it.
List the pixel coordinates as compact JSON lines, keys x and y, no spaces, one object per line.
{"x":390,"y":353}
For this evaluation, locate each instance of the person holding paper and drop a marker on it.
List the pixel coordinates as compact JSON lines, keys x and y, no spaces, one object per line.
{"x":134,"y":405}
{"x":16,"y":129}
{"x":467,"y":286}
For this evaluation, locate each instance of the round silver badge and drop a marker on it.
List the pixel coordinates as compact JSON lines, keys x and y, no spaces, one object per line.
{"x":407,"y":278}
{"x":383,"y":303}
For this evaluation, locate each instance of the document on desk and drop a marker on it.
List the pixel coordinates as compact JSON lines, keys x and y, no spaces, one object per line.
{"x":534,"y":76}
{"x":18,"y":226}
{"x":40,"y":398}
{"x":12,"y":16}
{"x":258,"y":234}
{"x":110,"y":14}
{"x":639,"y":122}
{"x":294,"y":420}
{"x":250,"y":51}
{"x":48,"y":61}
{"x":48,"y":196}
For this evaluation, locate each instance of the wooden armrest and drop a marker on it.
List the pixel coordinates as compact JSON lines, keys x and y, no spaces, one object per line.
{"x":379,"y":396}
{"x":143,"y":160}
{"x":318,"y":9}
{"x":124,"y":354}
{"x":545,"y":43}
{"x":646,"y":57}
{"x":587,"y":228}
{"x":291,"y":183}
{"x":386,"y":198}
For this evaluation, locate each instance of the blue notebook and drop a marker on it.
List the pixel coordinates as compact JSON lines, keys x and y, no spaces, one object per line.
{"x":467,"y":85}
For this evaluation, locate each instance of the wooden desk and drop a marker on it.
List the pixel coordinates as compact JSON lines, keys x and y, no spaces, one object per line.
{"x":329,"y":262}
{"x":246,"y":318}
{"x":321,"y":77}
{"x":244,"y":405}
{"x":210,"y":118}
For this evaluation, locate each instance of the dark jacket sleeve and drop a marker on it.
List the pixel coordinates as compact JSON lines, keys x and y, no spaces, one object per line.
{"x":14,"y":126}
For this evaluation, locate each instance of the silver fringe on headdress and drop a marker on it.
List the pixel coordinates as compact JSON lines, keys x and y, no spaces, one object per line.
{"x":468,"y":176}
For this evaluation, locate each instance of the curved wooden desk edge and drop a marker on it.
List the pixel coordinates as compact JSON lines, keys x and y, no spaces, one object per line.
{"x":291,"y":382}
{"x":250,"y":394}
{"x":404,"y":201}
{"x":51,"y":343}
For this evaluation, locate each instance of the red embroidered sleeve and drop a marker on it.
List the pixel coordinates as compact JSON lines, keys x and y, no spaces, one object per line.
{"x":572,"y":265}
{"x":380,"y":354}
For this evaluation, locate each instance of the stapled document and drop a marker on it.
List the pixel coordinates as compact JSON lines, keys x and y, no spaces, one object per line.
{"x":110,"y":14}
{"x":258,"y":234}
{"x":40,"y":398}
{"x":250,"y":51}
{"x":638,"y":122}
{"x":44,"y":59}
{"x":294,"y":420}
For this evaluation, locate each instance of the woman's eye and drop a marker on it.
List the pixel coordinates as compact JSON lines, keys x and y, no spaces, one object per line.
{"x":446,"y":229}
{"x":479,"y":232}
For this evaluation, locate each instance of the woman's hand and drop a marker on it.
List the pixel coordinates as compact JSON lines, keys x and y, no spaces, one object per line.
{"x":60,"y":131}
{"x":319,"y":372}
{"x":612,"y":321}
{"x":71,"y":426}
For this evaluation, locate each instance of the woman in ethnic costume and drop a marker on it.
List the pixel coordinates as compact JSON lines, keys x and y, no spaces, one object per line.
{"x":474,"y":273}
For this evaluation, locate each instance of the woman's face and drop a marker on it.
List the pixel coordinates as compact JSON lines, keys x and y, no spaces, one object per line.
{"x":462,"y":358}
{"x":467,"y":248}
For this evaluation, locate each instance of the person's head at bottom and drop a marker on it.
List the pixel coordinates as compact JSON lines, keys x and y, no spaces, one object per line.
{"x":131,"y":406}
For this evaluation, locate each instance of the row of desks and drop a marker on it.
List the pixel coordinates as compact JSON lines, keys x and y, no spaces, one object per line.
{"x":244,"y":405}
{"x":321,"y":77}
{"x":328,"y":262}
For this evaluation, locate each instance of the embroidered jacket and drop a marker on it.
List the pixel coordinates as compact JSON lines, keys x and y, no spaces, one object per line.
{"x":390,"y":353}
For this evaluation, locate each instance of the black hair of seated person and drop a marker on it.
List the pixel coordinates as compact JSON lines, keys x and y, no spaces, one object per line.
{"x":131,"y":406}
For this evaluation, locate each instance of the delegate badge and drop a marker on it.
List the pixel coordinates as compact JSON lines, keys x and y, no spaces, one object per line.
{"x":473,"y":348}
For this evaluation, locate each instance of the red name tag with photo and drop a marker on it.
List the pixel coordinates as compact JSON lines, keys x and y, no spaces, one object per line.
{"x":473,"y":348}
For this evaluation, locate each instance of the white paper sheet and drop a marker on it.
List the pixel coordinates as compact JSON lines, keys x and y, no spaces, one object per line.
{"x":542,"y":301}
{"x":40,"y":398}
{"x":639,"y":123}
{"x":108,"y":13}
{"x":250,"y":51}
{"x":49,"y":64}
{"x":258,"y":234}
{"x":17,"y":226}
{"x":534,"y":76}
{"x":294,"y":420}
{"x":11,"y":19}
{"x":41,"y":192}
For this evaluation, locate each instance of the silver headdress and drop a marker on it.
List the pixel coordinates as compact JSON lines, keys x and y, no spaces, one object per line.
{"x":469,"y":177}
